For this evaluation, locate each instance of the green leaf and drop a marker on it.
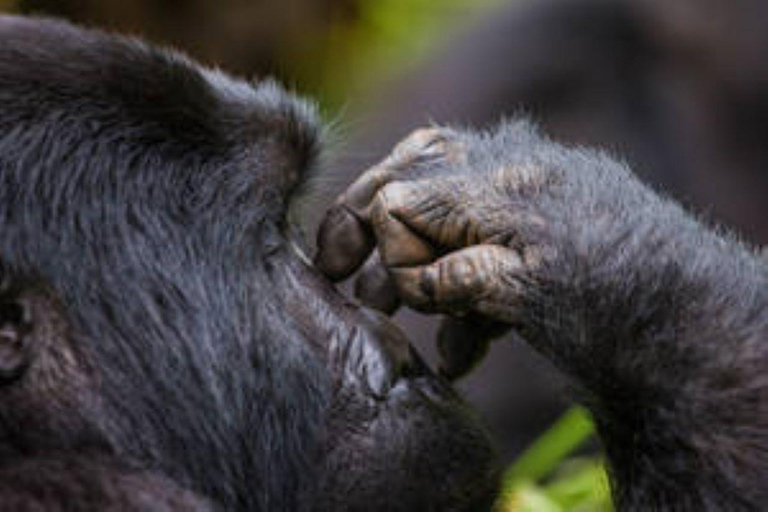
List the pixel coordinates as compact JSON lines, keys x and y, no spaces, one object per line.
{"x":528,"y":498}
{"x":581,"y":484}
{"x":572,"y":485}
{"x":541,"y":458}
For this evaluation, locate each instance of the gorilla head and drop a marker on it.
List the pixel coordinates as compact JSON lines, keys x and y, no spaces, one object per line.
{"x":173,"y":325}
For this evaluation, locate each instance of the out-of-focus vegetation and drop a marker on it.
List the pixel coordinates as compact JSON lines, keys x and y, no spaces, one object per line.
{"x":326,"y":48}
{"x":544,"y":479}
{"x":385,"y":39}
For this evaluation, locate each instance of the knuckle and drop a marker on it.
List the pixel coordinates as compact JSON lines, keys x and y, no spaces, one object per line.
{"x":394,"y":195}
{"x":459,"y":279}
{"x":426,"y":136}
{"x":465,"y":274}
{"x":426,"y":144}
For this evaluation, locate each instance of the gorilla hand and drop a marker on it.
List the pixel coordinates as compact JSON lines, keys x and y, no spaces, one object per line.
{"x":458,"y":231}
{"x":660,"y":321}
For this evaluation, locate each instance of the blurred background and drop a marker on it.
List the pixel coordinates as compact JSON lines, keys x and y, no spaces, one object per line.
{"x":678,"y":89}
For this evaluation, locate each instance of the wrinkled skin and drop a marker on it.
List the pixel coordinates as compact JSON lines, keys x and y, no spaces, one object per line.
{"x":661,"y":322}
{"x":454,"y":235}
{"x":421,"y":209}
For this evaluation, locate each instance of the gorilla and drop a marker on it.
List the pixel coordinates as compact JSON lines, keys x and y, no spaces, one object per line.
{"x":660,"y":321}
{"x":164,"y":344}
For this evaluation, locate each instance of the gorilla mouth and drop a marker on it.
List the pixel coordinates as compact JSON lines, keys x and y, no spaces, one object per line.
{"x":387,"y":409}
{"x":360,"y":346}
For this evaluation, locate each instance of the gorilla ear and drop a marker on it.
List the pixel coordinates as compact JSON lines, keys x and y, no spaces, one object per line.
{"x":15,"y":331}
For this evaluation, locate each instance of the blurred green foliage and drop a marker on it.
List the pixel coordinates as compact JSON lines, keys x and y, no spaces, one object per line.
{"x":386,"y":38}
{"x":544,"y":479}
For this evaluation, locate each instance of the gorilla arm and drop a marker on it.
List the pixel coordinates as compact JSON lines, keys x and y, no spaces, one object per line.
{"x":661,"y":321}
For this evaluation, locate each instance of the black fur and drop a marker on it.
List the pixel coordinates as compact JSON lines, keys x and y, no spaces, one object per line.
{"x":90,"y":482}
{"x":147,"y":196}
{"x":661,"y":321}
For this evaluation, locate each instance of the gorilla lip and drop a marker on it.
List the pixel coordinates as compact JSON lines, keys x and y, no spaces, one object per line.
{"x":358,"y":344}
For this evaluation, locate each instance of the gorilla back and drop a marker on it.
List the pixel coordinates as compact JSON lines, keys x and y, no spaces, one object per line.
{"x":148,"y":196}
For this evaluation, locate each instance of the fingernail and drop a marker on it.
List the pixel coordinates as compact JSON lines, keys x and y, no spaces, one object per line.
{"x":343,"y":243}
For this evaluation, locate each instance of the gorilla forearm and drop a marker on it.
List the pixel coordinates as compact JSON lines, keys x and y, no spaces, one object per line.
{"x":635,"y":279}
{"x":661,"y":321}
{"x":663,"y":324}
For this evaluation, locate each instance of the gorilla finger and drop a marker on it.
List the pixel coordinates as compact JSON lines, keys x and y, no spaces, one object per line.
{"x":476,"y":279}
{"x":423,"y":144}
{"x":399,"y":246}
{"x":375,"y":287}
{"x":345,"y":238}
{"x":360,"y":194}
{"x":463,"y":342}
{"x":428,"y":209}
{"x":343,"y":243}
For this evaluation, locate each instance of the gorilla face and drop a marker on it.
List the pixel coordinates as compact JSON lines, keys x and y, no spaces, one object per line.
{"x":389,"y":415}
{"x":149,"y":197}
